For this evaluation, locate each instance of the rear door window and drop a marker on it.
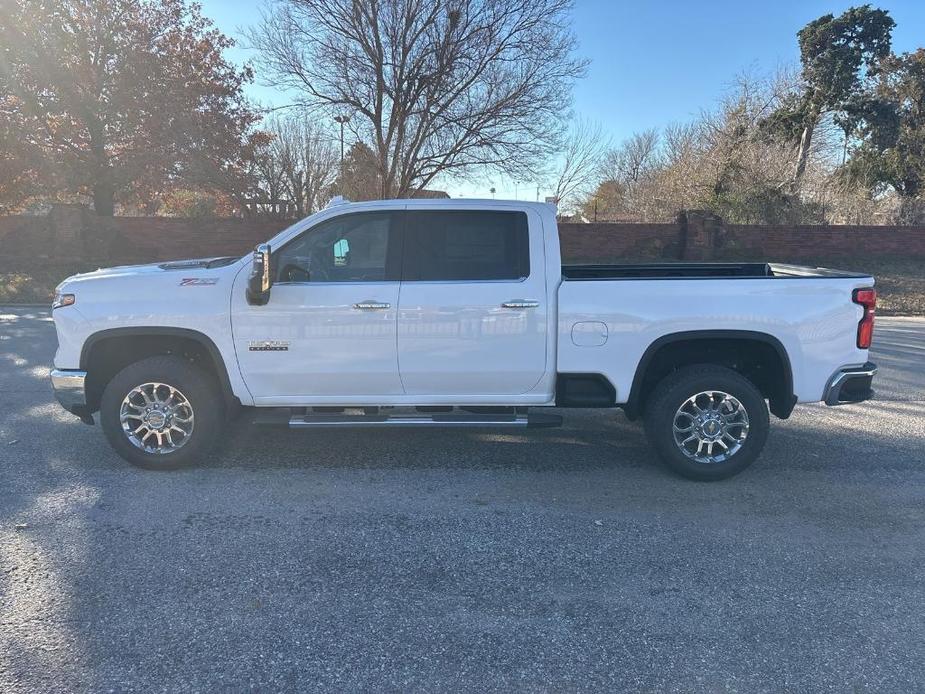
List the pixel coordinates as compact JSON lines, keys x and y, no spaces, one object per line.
{"x":452,"y":245}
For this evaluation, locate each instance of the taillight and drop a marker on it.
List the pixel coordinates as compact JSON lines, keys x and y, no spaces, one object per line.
{"x":867,"y":298}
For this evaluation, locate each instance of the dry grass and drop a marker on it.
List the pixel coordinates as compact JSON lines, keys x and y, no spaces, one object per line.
{"x":900,"y":282}
{"x":34,"y":285}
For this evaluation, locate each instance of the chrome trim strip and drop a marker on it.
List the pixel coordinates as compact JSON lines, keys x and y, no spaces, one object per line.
{"x":335,"y":284}
{"x":840,"y":377}
{"x":69,"y":387}
{"x":519,"y":280}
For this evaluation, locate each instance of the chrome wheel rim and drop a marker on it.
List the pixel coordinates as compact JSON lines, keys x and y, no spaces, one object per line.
{"x":710,"y":427}
{"x":157,"y":418}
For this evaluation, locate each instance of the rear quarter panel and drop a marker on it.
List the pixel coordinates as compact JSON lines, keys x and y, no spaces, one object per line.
{"x":814,"y":318}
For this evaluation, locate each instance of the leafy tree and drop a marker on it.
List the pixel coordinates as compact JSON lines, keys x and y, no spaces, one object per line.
{"x":891,"y":121}
{"x":196,"y":204}
{"x":434,"y":87}
{"x":359,"y":175}
{"x":117,"y":97}
{"x":18,"y":179}
{"x":836,"y":53}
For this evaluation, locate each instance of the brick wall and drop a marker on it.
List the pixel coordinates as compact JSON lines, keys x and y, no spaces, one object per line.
{"x":796,"y":242}
{"x":589,"y":243}
{"x":72,"y":234}
{"x":75,"y":235}
{"x":704,"y":237}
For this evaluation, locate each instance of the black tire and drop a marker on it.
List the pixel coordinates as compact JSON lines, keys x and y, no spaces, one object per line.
{"x":675,"y":389}
{"x":196,"y":385}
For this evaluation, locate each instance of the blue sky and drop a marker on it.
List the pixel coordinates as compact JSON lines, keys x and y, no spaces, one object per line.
{"x":654,"y":63}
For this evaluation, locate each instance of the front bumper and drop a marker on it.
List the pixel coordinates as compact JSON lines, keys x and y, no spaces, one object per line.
{"x":70,"y":391}
{"x":850,"y":384}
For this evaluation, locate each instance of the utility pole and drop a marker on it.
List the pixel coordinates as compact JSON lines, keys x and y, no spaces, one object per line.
{"x":297,"y":191}
{"x":343,"y":120}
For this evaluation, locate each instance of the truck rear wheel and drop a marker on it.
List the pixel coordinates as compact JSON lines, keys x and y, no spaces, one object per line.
{"x":161,"y":413}
{"x":707,"y":422}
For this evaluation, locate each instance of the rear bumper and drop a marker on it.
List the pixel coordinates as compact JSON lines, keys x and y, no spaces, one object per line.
{"x":850,"y":384}
{"x":70,"y":391}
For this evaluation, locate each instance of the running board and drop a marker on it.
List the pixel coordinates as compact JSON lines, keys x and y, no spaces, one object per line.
{"x":317,"y":421}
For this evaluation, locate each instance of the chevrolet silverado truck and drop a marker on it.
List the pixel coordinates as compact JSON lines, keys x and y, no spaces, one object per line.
{"x":439,"y":313}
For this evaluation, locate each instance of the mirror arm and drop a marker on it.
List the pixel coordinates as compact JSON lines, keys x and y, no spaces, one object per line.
{"x":265,"y":280}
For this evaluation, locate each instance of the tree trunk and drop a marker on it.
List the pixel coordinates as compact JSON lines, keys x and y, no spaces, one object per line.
{"x":104,"y":192}
{"x":386,"y":186}
{"x":806,"y":141}
{"x":104,"y":199}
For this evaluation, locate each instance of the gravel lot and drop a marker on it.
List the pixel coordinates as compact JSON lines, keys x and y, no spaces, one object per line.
{"x":562,"y":559}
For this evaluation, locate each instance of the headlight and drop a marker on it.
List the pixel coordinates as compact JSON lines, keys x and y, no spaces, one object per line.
{"x":63,"y":300}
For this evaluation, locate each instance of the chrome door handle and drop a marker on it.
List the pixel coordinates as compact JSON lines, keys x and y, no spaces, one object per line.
{"x":520,"y":303}
{"x":371,"y":306}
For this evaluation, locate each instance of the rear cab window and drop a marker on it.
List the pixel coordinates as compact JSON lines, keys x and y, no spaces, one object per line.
{"x":464,"y":245}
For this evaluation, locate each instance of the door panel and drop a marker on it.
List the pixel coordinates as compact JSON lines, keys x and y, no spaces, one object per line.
{"x":329,"y":329}
{"x":320,"y":344}
{"x":458,"y":340}
{"x":472,"y":316}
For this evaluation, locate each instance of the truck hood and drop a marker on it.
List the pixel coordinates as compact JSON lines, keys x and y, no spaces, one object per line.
{"x":191,"y":268}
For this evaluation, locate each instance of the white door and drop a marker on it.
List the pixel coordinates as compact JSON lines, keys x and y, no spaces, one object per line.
{"x":328,"y":332}
{"x":473,"y":309}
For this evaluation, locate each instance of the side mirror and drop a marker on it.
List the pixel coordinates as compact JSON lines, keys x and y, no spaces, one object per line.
{"x":258,"y":284}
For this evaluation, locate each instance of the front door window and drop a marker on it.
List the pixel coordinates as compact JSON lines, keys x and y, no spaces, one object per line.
{"x":350,"y":248}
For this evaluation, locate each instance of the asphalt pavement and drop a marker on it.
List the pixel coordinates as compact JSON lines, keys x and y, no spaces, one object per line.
{"x":549,"y":560}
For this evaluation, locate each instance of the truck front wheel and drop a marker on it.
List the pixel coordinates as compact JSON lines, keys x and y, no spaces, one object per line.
{"x":707,"y":422}
{"x":161,"y":413}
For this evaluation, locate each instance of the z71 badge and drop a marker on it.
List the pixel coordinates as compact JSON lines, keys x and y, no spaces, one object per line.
{"x":268,"y":346}
{"x":198,"y":281}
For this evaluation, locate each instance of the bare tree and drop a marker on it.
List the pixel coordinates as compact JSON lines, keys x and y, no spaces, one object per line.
{"x":308,"y":161}
{"x":269,"y":177}
{"x":734,"y":160}
{"x":674,"y":183}
{"x":581,"y":158}
{"x":723,"y":161}
{"x":295,"y":168}
{"x":434,"y":86}
{"x":633,"y":159}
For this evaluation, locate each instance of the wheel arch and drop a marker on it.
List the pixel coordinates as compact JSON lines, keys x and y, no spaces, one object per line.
{"x":754,"y":348}
{"x":106,"y":352}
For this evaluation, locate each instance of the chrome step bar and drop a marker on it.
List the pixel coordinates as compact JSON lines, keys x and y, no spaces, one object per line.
{"x":316,"y":421}
{"x":321,"y":421}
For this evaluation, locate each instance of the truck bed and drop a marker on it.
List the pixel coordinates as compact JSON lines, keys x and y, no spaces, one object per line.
{"x":698,"y":270}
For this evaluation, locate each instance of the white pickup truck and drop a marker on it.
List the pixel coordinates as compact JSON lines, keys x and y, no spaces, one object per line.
{"x":455,"y":313}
